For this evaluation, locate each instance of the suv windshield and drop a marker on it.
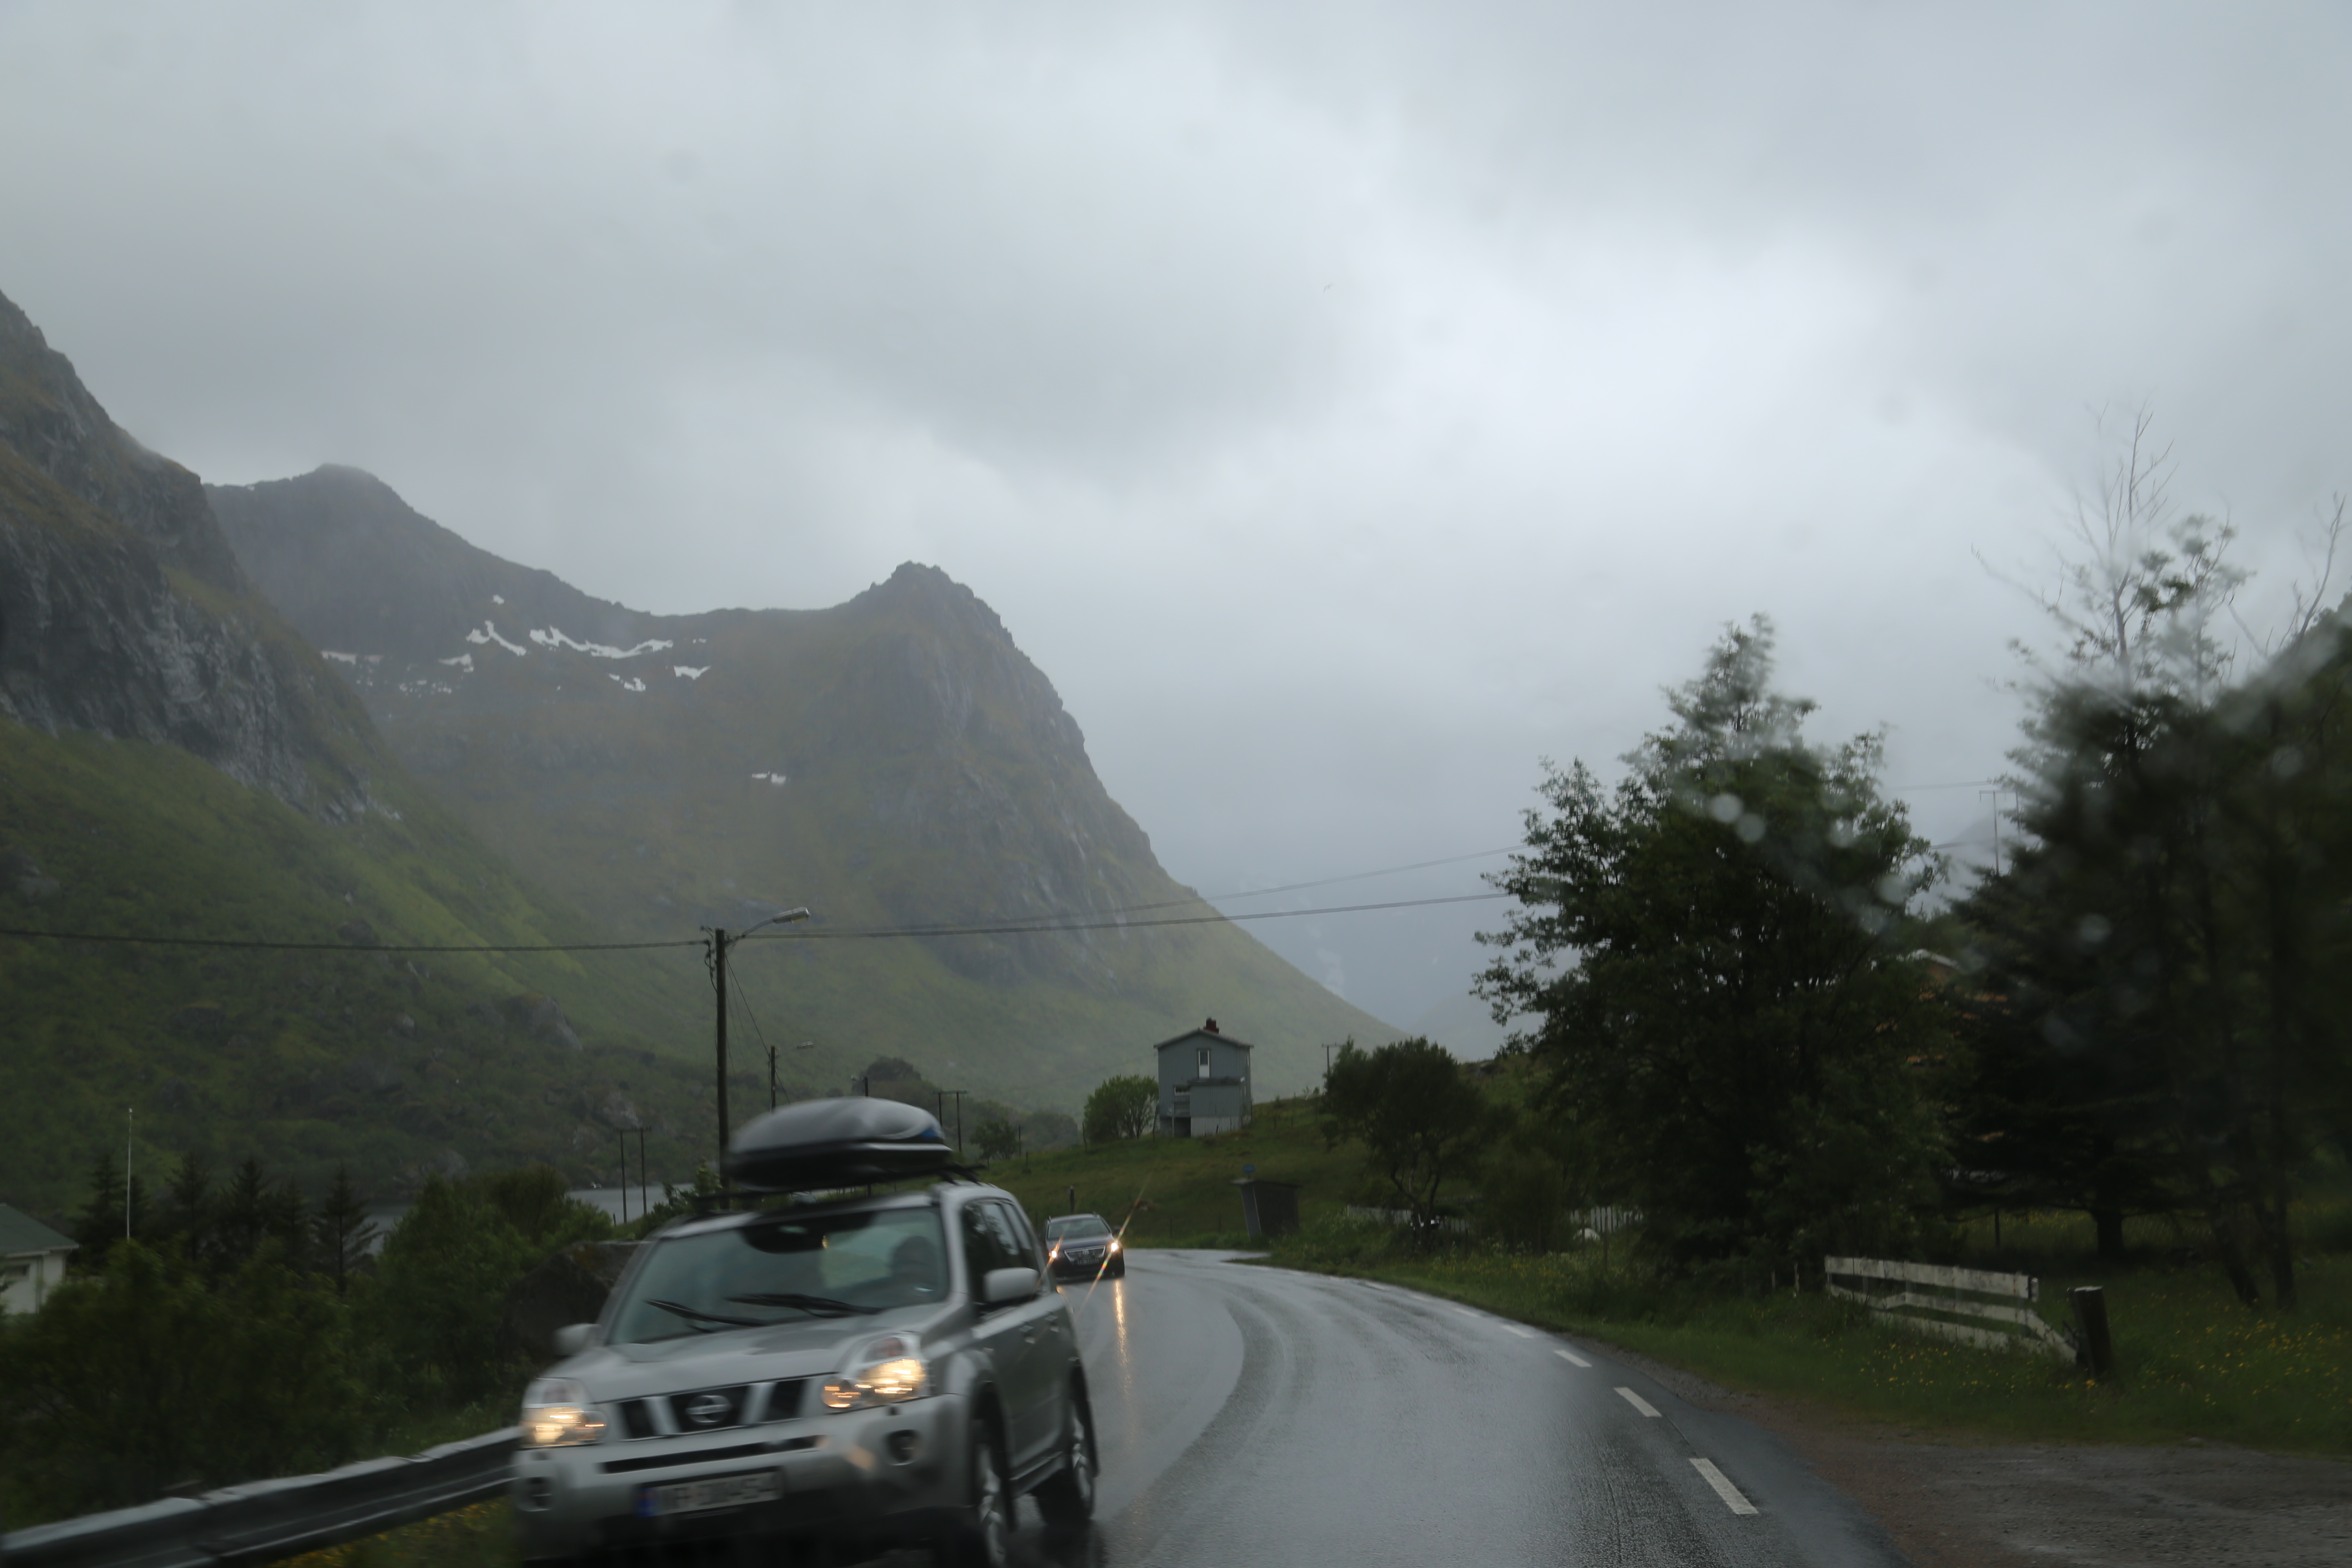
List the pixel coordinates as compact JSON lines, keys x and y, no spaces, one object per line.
{"x":1076,"y":1227}
{"x":785,"y":1269}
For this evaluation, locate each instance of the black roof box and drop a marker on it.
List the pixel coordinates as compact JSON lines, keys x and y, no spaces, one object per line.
{"x":837,"y":1144}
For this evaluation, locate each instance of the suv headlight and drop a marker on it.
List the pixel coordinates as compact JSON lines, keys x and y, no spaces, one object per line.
{"x":556,"y":1414}
{"x":887,"y":1371}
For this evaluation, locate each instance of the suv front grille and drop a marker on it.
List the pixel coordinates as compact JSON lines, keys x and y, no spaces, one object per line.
{"x":783,"y":1401}
{"x":710,"y":1409}
{"x":744,"y":1405}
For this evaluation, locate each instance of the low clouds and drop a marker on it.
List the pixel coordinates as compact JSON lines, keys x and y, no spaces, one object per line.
{"x":1345,"y":404}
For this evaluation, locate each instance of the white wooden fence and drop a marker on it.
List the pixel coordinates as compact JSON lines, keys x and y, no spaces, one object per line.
{"x":1946,"y":1292}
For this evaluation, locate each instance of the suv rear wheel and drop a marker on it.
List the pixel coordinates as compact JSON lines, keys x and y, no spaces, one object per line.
{"x":1067,"y":1499}
{"x":984,"y":1536}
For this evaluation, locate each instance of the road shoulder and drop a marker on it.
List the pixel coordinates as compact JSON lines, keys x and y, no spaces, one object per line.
{"x":1954,"y":1504}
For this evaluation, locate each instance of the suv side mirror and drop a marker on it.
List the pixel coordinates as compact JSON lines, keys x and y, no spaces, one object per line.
{"x":1003,"y":1285}
{"x":573,"y":1338}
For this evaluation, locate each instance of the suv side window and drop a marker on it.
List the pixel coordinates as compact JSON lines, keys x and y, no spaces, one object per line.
{"x":985,"y":1245}
{"x":1024,"y":1239}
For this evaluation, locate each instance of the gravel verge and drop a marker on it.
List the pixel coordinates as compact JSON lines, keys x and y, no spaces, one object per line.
{"x":1955,"y":1504}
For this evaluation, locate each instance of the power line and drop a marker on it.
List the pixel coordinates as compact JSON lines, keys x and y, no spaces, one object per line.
{"x":352,"y":947}
{"x":1108,"y":922}
{"x":1357,"y":876}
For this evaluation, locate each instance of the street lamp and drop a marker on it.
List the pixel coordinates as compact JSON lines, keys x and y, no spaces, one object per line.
{"x":715,"y":954}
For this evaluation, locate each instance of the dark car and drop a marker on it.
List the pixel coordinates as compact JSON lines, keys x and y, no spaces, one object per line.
{"x":1084,"y":1247}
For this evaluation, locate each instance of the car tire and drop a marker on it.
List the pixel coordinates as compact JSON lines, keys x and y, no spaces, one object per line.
{"x":1067,"y":1498}
{"x":982,"y":1536}
{"x":1118,"y":1269}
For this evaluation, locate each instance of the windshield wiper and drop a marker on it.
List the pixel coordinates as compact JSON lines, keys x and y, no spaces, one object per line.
{"x":820,"y":1306}
{"x":683,"y":1311}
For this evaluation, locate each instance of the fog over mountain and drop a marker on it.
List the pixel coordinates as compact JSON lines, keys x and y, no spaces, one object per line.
{"x":1349,"y":404}
{"x":892,"y":762}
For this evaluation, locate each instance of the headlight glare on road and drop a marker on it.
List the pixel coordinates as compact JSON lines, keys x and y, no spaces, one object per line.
{"x":887,"y":1371}
{"x":556,"y":1414}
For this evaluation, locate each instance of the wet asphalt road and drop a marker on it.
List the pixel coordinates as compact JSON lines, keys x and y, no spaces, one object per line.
{"x":1250,"y":1416}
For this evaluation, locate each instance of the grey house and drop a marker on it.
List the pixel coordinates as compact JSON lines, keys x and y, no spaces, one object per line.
{"x":1204,"y":1083}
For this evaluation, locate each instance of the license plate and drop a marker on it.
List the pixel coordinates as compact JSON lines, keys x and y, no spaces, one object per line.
{"x":709,"y":1492}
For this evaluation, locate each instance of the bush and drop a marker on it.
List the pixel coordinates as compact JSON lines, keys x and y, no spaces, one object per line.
{"x":1122,"y":1108}
{"x":432,"y":1313}
{"x":141,"y":1378}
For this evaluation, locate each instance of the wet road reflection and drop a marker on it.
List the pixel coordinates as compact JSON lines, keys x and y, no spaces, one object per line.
{"x":1255,"y":1416}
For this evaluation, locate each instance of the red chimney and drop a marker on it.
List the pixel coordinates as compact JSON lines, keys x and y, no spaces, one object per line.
{"x":1212,"y":1027}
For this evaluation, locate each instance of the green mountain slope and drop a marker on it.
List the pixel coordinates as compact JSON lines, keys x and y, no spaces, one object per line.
{"x":176,"y":761}
{"x":892,"y":762}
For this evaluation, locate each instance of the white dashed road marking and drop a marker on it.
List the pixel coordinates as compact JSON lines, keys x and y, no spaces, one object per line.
{"x":1638,"y":1403}
{"x":1721,"y":1483}
{"x":1572,"y":1359}
{"x":1523,"y":1333}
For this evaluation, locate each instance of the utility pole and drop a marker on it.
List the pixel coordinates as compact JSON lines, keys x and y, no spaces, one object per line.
{"x":772,"y":1078}
{"x":625,"y":1173}
{"x":714,"y":951}
{"x":130,"y":1130}
{"x":1995,"y":795}
{"x":959,"y":1094}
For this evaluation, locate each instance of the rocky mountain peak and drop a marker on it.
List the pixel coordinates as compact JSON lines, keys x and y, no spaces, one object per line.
{"x":51,"y":421}
{"x":123,"y":609}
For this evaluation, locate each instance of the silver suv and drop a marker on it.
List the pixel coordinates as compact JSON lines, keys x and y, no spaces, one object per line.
{"x":879,"y":1371}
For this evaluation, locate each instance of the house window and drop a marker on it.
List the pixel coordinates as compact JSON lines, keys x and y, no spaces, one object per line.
{"x":1203,"y":1063}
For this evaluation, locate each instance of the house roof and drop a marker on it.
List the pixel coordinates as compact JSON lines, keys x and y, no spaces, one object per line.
{"x":21,"y":1233}
{"x":1189,"y":1036}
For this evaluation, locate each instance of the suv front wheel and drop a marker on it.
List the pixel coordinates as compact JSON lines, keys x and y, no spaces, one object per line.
{"x":983,"y":1538}
{"x":1068,"y":1498}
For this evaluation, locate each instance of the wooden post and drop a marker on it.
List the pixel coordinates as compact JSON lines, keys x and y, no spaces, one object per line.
{"x":2094,"y":1349}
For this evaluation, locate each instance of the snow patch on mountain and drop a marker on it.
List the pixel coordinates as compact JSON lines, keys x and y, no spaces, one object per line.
{"x":464,"y":661}
{"x":339,"y":657}
{"x":633,"y":683}
{"x":488,"y":633}
{"x":775,"y":779}
{"x":687,"y":671}
{"x":553,"y":636}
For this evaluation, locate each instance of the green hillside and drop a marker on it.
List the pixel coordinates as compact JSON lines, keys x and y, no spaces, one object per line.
{"x":1178,"y":1191}
{"x":392,"y":1063}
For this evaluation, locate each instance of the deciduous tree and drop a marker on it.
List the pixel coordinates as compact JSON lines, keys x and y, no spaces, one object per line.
{"x":1713,"y":950}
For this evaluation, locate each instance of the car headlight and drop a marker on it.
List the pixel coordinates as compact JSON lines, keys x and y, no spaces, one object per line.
{"x":1114,"y":1243}
{"x":887,"y":1371}
{"x":556,"y":1414}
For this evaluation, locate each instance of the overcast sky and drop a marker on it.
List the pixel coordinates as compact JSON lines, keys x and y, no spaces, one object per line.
{"x":1345,"y":404}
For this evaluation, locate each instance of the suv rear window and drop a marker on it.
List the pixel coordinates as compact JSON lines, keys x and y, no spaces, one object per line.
{"x":843,"y":1263}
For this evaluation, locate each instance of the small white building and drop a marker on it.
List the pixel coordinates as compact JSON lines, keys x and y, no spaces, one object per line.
{"x":32,"y":1261}
{"x":1204,"y":1083}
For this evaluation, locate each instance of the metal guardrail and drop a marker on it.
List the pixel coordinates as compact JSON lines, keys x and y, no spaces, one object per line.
{"x":2022,"y":1328}
{"x":262,"y":1521}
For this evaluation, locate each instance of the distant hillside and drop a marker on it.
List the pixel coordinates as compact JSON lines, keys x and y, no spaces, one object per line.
{"x":175,"y":760}
{"x":894,"y":762}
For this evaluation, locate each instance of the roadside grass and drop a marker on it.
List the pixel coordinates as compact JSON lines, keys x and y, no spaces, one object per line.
{"x":480,"y":1536}
{"x":1179,"y":1192}
{"x":2192,"y":1363}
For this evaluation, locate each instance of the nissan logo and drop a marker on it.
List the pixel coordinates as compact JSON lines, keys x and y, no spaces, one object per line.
{"x":710,"y":1409}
